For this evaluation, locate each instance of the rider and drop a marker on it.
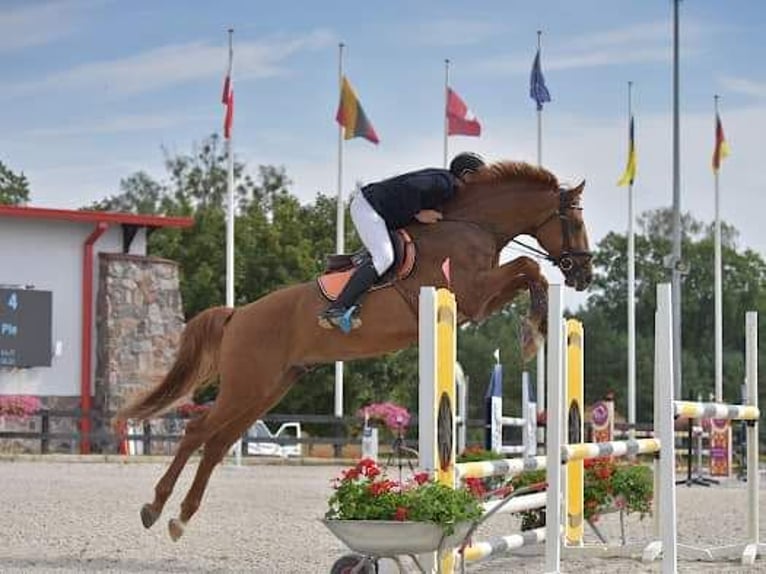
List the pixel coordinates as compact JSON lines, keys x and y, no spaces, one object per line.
{"x":388,"y":205}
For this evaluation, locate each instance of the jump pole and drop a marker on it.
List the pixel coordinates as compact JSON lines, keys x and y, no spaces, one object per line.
{"x":436,"y":395}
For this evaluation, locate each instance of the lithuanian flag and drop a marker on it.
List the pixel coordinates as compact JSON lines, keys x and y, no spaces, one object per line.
{"x":351,"y":116}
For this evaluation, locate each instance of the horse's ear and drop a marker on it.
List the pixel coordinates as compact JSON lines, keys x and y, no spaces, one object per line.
{"x":577,"y":190}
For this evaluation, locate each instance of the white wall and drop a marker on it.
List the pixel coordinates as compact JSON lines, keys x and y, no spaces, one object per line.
{"x":48,"y":254}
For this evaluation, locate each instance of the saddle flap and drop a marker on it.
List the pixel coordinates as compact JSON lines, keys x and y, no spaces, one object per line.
{"x":335,"y":277}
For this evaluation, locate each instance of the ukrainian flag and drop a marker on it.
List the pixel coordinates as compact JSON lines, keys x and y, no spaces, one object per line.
{"x":630,"y":170}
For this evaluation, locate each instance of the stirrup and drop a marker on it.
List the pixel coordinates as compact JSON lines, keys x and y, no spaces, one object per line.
{"x":346,"y":321}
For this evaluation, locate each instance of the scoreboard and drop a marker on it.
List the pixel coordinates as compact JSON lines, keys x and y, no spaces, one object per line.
{"x":25,"y":328}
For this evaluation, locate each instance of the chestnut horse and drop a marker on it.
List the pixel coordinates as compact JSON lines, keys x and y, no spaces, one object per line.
{"x":258,"y":351}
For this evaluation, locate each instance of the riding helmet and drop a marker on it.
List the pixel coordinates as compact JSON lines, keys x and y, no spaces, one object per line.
{"x":465,"y":162}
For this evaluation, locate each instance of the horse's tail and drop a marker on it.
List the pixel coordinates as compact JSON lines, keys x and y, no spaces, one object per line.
{"x":196,"y":364}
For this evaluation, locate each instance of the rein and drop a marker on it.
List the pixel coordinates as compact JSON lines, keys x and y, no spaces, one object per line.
{"x":565,"y":261}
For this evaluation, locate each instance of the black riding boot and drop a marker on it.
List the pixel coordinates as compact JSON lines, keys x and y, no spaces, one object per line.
{"x":340,"y":313}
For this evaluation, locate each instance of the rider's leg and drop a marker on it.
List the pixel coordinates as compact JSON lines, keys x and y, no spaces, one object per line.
{"x":373,"y":232}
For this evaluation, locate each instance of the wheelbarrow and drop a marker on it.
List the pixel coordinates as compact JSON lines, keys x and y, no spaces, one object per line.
{"x":373,"y":540}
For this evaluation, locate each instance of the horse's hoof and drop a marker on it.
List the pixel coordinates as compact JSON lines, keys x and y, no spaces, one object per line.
{"x":148,"y":515}
{"x":176,"y":529}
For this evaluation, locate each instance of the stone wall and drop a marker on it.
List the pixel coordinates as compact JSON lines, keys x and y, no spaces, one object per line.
{"x":139,"y":322}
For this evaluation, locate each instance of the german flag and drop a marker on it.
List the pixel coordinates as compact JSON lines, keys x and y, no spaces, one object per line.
{"x":721,"y":145}
{"x":351,"y":116}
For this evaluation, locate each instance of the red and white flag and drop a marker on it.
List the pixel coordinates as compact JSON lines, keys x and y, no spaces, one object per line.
{"x":460,"y":120}
{"x":227,"y":99}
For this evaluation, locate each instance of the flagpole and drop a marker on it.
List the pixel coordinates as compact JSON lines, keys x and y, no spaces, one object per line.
{"x":718,"y":279}
{"x":230,"y":222}
{"x":631,"y":289}
{"x":339,"y":231}
{"x":446,"y":104}
{"x":230,"y":198}
{"x":539,"y":114}
{"x":675,"y":260}
{"x":541,"y":348}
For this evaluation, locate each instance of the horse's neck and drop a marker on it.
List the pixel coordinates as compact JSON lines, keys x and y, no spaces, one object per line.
{"x":446,"y":237}
{"x":507,"y":209}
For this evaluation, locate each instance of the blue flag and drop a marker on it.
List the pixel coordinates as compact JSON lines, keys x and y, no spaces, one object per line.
{"x":537,"y":90}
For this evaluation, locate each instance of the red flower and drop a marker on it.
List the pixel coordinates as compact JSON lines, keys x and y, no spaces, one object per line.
{"x":400,"y":514}
{"x":476,"y":487}
{"x":368,"y":468}
{"x":378,"y":488}
{"x":351,"y":474}
{"x":421,"y":478}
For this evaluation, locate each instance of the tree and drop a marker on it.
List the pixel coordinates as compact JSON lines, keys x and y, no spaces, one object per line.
{"x":14,"y":188}
{"x":605,"y":314}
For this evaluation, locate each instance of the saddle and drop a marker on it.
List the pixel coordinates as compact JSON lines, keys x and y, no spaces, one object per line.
{"x":340,"y":267}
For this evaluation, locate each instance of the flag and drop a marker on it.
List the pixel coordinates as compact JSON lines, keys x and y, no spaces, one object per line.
{"x":629,"y":175}
{"x":460,"y":120}
{"x":351,"y":116}
{"x":228,"y":100}
{"x":721,"y":145}
{"x":537,"y":90}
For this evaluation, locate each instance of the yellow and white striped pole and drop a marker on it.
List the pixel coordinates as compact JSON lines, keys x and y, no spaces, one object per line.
{"x":574,"y":432}
{"x":436,"y":365}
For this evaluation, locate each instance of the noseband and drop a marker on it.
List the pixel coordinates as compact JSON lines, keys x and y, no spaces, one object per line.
{"x":565,"y":261}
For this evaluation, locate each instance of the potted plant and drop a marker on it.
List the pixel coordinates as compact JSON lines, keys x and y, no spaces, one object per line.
{"x":375,"y":515}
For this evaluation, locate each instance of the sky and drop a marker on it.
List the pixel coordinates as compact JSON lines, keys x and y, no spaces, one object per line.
{"x":96,"y":90}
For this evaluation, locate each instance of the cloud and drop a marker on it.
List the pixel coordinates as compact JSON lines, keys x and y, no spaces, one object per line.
{"x":744,"y":86}
{"x":34,"y":24}
{"x":625,"y":36}
{"x":121,"y":124}
{"x":642,"y":43}
{"x":454,"y":32}
{"x":177,"y":64}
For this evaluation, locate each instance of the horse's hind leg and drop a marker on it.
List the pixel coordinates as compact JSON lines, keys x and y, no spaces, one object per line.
{"x":193,"y":438}
{"x":219,"y":443}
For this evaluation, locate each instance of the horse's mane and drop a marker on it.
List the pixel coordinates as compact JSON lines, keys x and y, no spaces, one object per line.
{"x":506,"y":170}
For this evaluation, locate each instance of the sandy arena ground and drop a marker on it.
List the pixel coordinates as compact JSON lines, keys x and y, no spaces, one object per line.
{"x":83,"y":517}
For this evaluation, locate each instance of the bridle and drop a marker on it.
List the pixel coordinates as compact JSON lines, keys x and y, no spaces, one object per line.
{"x":566,"y":260}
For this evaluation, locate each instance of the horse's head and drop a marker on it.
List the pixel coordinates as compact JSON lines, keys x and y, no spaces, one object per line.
{"x":514,"y":198}
{"x":565,"y":238}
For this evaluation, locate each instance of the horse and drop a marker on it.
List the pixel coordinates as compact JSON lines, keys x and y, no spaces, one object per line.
{"x":258,"y":351}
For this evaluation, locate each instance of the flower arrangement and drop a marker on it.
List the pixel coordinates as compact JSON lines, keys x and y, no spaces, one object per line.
{"x":394,"y":417}
{"x":21,"y":406}
{"x":364,"y":492}
{"x":625,"y":486}
{"x":608,"y":484}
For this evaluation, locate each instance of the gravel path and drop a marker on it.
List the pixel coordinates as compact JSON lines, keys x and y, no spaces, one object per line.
{"x":83,"y":517}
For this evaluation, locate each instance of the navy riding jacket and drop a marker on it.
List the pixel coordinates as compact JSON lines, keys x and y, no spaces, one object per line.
{"x":399,"y":198}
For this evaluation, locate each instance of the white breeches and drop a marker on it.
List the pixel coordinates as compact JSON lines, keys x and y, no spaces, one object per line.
{"x":373,"y":232}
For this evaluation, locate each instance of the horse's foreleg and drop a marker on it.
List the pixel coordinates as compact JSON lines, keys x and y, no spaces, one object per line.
{"x":500,"y":285}
{"x":191,"y":441}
